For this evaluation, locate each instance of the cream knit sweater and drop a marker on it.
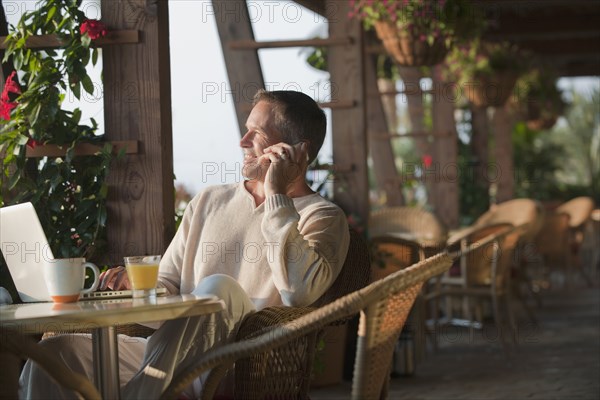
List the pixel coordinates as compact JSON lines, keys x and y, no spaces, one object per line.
{"x":285,"y":251}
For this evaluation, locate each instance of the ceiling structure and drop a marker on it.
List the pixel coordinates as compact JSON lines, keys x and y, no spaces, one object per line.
{"x":564,"y":34}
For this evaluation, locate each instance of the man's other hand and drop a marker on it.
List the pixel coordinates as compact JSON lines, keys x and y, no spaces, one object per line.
{"x":114,"y":279}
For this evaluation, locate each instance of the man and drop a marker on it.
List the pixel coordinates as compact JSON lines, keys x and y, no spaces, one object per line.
{"x":269,"y":240}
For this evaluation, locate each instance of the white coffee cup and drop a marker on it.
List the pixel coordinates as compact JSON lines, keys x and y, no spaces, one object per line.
{"x":65,"y":278}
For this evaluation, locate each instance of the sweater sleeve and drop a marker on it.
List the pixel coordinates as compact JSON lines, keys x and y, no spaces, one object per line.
{"x":306,"y":261}
{"x":169,"y":272}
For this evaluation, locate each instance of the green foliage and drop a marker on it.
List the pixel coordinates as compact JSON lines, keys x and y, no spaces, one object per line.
{"x":564,"y":162}
{"x":538,"y":94}
{"x":69,"y":192}
{"x":474,"y":197}
{"x":318,"y":58}
{"x":536,"y":162}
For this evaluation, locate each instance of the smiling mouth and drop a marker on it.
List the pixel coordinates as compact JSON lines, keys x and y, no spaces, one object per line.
{"x":248,"y":158}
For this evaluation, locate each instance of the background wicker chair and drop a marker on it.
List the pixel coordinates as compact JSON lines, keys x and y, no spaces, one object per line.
{"x":552,"y":244}
{"x":527,"y":214}
{"x":408,"y":223}
{"x":399,"y":237}
{"x":481,"y":271}
{"x":384,"y":306}
{"x":579,"y":210}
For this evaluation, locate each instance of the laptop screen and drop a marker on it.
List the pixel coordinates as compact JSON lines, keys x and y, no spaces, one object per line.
{"x":25,"y":248}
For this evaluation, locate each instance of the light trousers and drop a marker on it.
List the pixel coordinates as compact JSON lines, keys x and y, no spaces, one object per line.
{"x":146,"y":366}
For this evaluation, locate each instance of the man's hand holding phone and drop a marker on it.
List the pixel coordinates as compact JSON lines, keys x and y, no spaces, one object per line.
{"x":286,"y":165}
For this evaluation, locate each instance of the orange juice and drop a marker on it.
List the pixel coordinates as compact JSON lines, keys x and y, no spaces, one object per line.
{"x":142,"y":276}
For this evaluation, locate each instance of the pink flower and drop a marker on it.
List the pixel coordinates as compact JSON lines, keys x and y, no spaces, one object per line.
{"x":93,"y":28}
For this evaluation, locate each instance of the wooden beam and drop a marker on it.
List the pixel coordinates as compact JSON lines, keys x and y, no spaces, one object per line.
{"x":555,"y":47}
{"x":351,"y":190}
{"x":128,"y":36}
{"x":410,"y":135}
{"x":444,"y":170}
{"x":381,"y":151}
{"x":276,"y":44}
{"x":317,"y":6}
{"x":503,"y":173}
{"x":141,"y":190}
{"x":82,"y":149}
{"x":243,"y":66}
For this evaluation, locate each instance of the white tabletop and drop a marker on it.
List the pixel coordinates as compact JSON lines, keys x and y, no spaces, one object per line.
{"x":43,"y":317}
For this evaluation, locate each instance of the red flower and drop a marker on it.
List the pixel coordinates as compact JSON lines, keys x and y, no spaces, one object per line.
{"x":5,"y":110}
{"x":93,"y":28}
{"x":11,"y":86}
{"x":427,"y":160}
{"x":32,"y":143}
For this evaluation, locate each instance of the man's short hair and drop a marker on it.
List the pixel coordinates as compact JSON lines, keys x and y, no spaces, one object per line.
{"x":297,"y":117}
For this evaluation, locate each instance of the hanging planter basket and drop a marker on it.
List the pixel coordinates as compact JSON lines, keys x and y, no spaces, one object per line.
{"x":540,"y":117}
{"x":490,"y":91}
{"x":407,"y":50}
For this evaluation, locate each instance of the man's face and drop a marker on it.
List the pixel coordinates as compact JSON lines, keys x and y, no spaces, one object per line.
{"x":259,"y":135}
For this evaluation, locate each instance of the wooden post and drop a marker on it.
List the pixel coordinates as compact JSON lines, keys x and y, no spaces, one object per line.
{"x":445,"y":199}
{"x":351,"y":187}
{"x":382,"y":155}
{"x":243,"y":65}
{"x":479,"y":143}
{"x":137,"y":106}
{"x":503,"y":150}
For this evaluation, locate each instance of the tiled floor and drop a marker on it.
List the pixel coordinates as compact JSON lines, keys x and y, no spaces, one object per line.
{"x":557,"y":358}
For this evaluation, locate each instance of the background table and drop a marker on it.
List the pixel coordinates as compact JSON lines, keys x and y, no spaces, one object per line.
{"x":101,"y":317}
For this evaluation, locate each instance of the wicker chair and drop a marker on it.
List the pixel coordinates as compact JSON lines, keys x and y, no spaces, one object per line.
{"x":402,"y":236}
{"x":409,"y":223}
{"x":579,"y":210}
{"x":553,"y":246}
{"x":286,"y":372}
{"x":529,"y":215}
{"x":384,"y":306}
{"x":481,"y":271}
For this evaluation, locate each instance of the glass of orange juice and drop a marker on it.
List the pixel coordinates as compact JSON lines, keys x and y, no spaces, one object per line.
{"x":143,"y":274}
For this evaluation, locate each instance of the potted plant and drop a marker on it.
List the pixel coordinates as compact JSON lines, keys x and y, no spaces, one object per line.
{"x":68,"y":191}
{"x":540,"y":100}
{"x":486,"y":71}
{"x":418,"y":32}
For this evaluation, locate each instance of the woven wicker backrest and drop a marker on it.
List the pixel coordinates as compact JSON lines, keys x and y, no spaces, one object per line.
{"x":487,"y":245}
{"x":381,"y":323}
{"x":579,"y":210}
{"x":552,"y":241}
{"x":413,"y":221}
{"x":354,"y":274}
{"x":382,"y":291}
{"x":392,"y":254}
{"x":517,"y":212}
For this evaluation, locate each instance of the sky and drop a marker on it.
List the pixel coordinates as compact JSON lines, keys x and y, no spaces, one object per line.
{"x":205,"y":133}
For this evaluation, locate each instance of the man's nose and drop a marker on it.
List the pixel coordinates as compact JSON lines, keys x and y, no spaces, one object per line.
{"x":245,"y":140}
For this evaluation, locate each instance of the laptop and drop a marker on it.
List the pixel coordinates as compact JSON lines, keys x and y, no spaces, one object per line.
{"x":25,"y":248}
